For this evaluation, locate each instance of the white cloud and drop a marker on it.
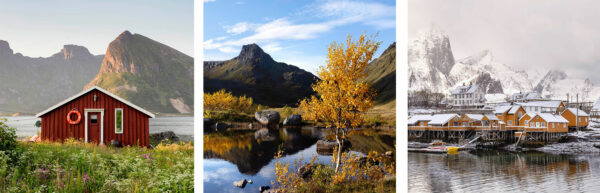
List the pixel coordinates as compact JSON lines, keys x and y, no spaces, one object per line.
{"x":239,"y":3}
{"x":228,"y":50}
{"x":337,"y":13}
{"x":237,"y":28}
{"x":272,"y":47}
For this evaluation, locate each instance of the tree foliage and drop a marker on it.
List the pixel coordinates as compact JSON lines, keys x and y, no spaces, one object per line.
{"x":341,"y":97}
{"x":222,"y":100}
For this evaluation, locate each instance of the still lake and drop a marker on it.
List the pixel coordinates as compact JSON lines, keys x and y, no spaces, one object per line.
{"x":235,"y":155}
{"x":502,"y":171}
{"x":182,"y":126}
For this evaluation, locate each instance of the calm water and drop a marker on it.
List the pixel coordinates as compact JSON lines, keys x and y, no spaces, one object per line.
{"x":498,"y":171}
{"x":233,"y":156}
{"x":182,"y":126}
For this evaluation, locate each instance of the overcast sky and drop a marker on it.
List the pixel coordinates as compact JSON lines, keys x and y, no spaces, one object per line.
{"x":525,"y":34}
{"x":40,"y":28}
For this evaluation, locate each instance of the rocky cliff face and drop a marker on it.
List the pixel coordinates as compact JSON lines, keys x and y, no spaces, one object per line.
{"x":255,"y":74}
{"x":30,"y":85}
{"x":430,"y":60}
{"x":432,"y":66}
{"x":148,"y":73}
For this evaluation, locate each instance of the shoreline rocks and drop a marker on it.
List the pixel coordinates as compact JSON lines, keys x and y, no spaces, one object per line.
{"x":325,"y":147}
{"x":267,"y":117}
{"x":240,"y":184}
{"x":165,"y":135}
{"x":294,"y":119}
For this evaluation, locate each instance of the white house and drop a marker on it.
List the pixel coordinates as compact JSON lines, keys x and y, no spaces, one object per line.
{"x":471,"y":96}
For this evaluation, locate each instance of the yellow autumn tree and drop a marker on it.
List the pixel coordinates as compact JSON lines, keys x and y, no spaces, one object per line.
{"x":222,"y":100}
{"x":340,"y":96}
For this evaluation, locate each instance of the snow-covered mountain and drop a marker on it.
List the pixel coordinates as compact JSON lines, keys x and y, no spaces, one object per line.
{"x":556,"y":84}
{"x":431,"y":66}
{"x":430,"y":61}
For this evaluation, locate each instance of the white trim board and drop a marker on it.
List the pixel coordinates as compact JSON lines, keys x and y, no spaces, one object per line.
{"x":101,"y":90}
{"x":86,"y":111}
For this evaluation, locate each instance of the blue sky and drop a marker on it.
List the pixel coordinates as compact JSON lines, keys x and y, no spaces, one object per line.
{"x":292,"y":31}
{"x":40,"y":28}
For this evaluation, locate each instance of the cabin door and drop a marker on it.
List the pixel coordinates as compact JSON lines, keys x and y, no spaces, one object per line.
{"x":93,"y":120}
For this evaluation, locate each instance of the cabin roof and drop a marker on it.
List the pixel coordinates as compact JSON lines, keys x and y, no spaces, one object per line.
{"x":576,"y":112}
{"x":492,"y":117}
{"x":548,"y":104}
{"x":514,"y":109}
{"x":416,"y":118}
{"x":501,"y":109}
{"x":441,"y":119}
{"x":477,"y":117}
{"x":553,"y":118}
{"x":101,"y":90}
{"x":531,"y":115}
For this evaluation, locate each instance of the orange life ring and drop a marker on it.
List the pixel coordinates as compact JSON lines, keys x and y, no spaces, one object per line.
{"x":75,"y":121}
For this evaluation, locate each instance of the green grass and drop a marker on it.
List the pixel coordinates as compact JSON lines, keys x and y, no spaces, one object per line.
{"x":76,"y":167}
{"x":228,"y":116}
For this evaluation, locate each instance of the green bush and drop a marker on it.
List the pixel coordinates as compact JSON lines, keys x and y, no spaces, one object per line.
{"x":8,"y":137}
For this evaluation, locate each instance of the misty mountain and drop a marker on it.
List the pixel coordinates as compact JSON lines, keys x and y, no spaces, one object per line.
{"x":32,"y":84}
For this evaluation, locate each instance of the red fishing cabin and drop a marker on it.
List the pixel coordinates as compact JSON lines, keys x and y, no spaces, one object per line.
{"x":97,"y":116}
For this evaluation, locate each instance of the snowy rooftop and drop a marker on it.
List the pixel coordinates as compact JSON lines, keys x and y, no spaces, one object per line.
{"x":476,"y":117}
{"x":527,"y":96}
{"x":553,"y":118}
{"x":465,"y":89}
{"x":514,"y":109}
{"x":441,"y":119}
{"x":531,"y":115}
{"x":492,"y":117}
{"x":501,"y":109}
{"x":549,"y":104}
{"x":577,"y":112}
{"x":416,"y":118}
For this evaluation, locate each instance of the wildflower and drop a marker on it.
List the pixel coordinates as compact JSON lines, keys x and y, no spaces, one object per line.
{"x":85,"y":178}
{"x":147,"y":156}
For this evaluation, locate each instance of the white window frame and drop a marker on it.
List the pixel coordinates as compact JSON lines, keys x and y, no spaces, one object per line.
{"x":543,"y":124}
{"x":537,"y":124}
{"x":122,"y":120}
{"x":532,"y":124}
{"x":509,"y":122}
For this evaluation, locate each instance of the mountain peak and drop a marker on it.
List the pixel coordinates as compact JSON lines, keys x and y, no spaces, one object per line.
{"x":484,"y":56}
{"x":5,"y":48}
{"x":125,"y":35}
{"x":69,"y":51}
{"x":253,"y":51}
{"x":433,"y":32}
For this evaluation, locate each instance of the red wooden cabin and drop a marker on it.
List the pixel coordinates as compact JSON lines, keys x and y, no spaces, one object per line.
{"x":103,"y":117}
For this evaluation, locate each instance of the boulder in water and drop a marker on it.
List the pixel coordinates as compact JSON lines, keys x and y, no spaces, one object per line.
{"x":267,"y":117}
{"x":220,"y":126}
{"x":262,"y":189}
{"x":325,"y":147}
{"x":240,"y":184}
{"x":294,"y":119}
{"x":264,"y":135}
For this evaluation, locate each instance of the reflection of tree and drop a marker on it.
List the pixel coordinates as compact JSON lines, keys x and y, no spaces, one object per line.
{"x":365,"y":141}
{"x":251,"y":155}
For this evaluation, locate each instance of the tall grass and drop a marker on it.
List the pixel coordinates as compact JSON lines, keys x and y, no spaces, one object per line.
{"x":78,"y":167}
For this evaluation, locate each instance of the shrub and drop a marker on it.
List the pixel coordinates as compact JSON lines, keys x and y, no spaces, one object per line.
{"x":8,"y":137}
{"x":222,"y":100}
